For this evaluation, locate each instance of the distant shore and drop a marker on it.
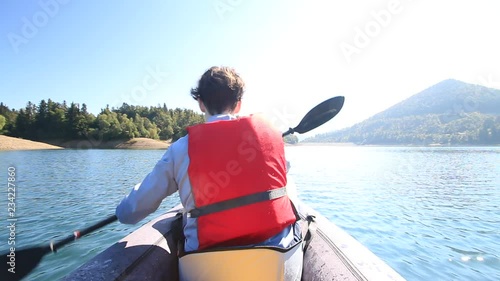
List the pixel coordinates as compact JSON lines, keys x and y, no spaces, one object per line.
{"x":10,"y":143}
{"x":323,"y":144}
{"x":391,"y":145}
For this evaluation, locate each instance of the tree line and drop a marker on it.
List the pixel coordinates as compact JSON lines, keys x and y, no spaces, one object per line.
{"x":51,"y":120}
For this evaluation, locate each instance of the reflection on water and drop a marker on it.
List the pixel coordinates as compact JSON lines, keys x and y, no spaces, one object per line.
{"x":414,"y":207}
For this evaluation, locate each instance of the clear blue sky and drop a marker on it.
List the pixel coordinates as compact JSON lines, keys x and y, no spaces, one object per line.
{"x":292,"y":54}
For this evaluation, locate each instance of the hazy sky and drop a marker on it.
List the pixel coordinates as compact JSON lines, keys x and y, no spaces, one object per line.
{"x":292,"y":54}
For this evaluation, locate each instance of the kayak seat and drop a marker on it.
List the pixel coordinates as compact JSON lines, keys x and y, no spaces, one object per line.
{"x":243,"y":264}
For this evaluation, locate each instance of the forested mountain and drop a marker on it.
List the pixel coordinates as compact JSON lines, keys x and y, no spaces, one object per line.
{"x":449,"y":113}
{"x":51,"y":120}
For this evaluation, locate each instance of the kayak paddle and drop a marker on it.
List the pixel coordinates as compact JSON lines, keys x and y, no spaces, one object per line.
{"x":18,"y":263}
{"x":318,"y":116}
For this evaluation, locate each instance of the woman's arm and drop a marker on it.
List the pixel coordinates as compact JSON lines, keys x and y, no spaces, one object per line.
{"x":146,"y":197}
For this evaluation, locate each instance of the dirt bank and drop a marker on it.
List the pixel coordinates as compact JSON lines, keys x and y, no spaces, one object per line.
{"x":10,"y":143}
{"x":136,"y":143}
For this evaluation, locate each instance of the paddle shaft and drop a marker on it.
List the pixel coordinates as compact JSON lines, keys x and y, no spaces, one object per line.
{"x":79,"y":233}
{"x":290,"y":131}
{"x":314,"y":118}
{"x":18,"y":263}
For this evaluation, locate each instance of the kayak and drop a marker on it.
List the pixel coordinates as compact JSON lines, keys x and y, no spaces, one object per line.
{"x":150,"y":253}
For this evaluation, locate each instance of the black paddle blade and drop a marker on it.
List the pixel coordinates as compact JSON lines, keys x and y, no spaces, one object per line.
{"x":319,"y":115}
{"x":19,"y":263}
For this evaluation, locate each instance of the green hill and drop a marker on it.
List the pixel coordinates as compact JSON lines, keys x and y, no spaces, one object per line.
{"x":449,"y":113}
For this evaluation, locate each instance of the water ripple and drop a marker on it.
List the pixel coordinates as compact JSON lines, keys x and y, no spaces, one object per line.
{"x":411,"y":206}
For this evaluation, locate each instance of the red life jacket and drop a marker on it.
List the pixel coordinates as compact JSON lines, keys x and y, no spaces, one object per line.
{"x":234,"y":159}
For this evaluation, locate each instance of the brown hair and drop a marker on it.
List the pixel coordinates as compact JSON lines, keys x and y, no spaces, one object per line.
{"x":220,"y":89}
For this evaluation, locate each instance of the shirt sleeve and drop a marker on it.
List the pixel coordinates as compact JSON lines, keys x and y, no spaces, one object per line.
{"x":146,"y":197}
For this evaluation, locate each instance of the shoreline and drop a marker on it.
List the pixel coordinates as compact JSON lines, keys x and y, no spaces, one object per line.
{"x":13,"y":143}
{"x":135,"y":143}
{"x":388,"y":145}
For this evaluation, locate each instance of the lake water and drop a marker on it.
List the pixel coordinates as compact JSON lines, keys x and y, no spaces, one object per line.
{"x":430,"y":213}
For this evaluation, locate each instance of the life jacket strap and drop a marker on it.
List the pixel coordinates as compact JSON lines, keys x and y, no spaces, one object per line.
{"x":237,"y":202}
